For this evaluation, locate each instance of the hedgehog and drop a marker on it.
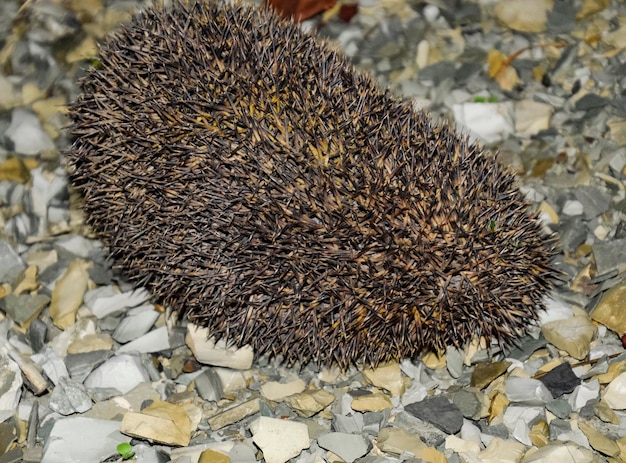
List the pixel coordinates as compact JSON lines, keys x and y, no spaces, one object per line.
{"x":260,"y":186}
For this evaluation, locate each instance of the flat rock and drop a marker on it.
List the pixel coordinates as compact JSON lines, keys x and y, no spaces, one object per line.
{"x":373,"y":402}
{"x":485,"y":373}
{"x":615,"y":393}
{"x":279,"y":440}
{"x":560,"y":380}
{"x":10,"y":385}
{"x":387,"y":376}
{"x":209,"y":385}
{"x":104,"y":306}
{"x":610,"y":309}
{"x":154,"y":341}
{"x":80,"y":365}
{"x":68,"y":292}
{"x":234,"y":414}
{"x":27,"y":134}
{"x":137,"y":322}
{"x":502,"y":451}
{"x":273,"y":390}
{"x":68,"y":397}
{"x":524,"y":15}
{"x":610,"y":256}
{"x":572,"y":335}
{"x":397,"y":441}
{"x":439,"y":411}
{"x":527,"y":390}
{"x":122,"y":372}
{"x":161,"y":422}
{"x":347,"y":446}
{"x":566,"y":452}
{"x":82,"y":440}
{"x":307,"y":404}
{"x":207,"y":351}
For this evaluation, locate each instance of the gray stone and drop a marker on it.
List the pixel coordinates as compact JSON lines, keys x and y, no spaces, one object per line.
{"x":24,"y":307}
{"x":439,"y":411}
{"x":51,"y":364}
{"x":347,"y":446}
{"x":37,"y":333}
{"x":241,"y":453}
{"x":69,"y":397}
{"x":209,"y":385}
{"x":430,"y":434}
{"x":82,"y":440}
{"x":11,"y":264}
{"x":595,"y":201}
{"x":80,"y":365}
{"x":610,"y":256}
{"x":122,"y":372}
{"x":348,"y":423}
{"x":467,"y":401}
{"x":527,"y":390}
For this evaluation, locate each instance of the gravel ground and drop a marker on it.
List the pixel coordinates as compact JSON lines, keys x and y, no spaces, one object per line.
{"x":88,"y":362}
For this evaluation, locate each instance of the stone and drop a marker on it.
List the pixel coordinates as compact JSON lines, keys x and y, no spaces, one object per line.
{"x":610,"y":256}
{"x":373,"y":402}
{"x":527,"y":390}
{"x":610,"y":309}
{"x":209,"y":352}
{"x":27,"y":134}
{"x":524,"y":15}
{"x":68,"y":293}
{"x":10,"y":386}
{"x":560,"y":380}
{"x":439,"y":411}
{"x":154,"y":341}
{"x":485,"y":373}
{"x":115,"y":302}
{"x":51,"y":363}
{"x":234,"y":414}
{"x":161,"y":422}
{"x":599,"y":441}
{"x":279,"y":440}
{"x":25,"y":308}
{"x":307,"y":404}
{"x":615,"y":393}
{"x":275,"y":391}
{"x":98,"y":440}
{"x":209,"y":385}
{"x":502,"y":451}
{"x":69,"y":397}
{"x":347,"y":446}
{"x":561,"y":452}
{"x":584,"y":394}
{"x":572,"y":335}
{"x":211,"y":456}
{"x":11,"y":264}
{"x":387,"y":376}
{"x":80,"y":365}
{"x":398,"y":441}
{"x":122,"y":372}
{"x":136,"y":323}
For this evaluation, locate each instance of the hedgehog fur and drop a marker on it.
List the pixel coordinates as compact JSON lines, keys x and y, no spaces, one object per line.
{"x":245,"y":173}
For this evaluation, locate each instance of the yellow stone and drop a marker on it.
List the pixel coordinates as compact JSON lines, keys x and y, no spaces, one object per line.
{"x":388,"y":377}
{"x":161,"y":421}
{"x":434,"y":361}
{"x":432,"y":455}
{"x":598,"y":441}
{"x":540,"y":433}
{"x":67,"y":295}
{"x":13,"y":169}
{"x":211,"y":456}
{"x":375,"y":402}
{"x":610,"y":309}
{"x":498,"y":405}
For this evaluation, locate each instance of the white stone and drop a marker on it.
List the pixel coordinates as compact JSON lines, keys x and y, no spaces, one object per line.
{"x":279,"y":440}
{"x":615,"y":393}
{"x":209,"y":352}
{"x":527,"y":390}
{"x":555,"y":309}
{"x":109,"y":305}
{"x":462,"y":446}
{"x":573,"y":208}
{"x":122,"y":372}
{"x":488,"y":122}
{"x":136,"y":323}
{"x":583,"y":393}
{"x":155,"y":341}
{"x":82,"y":440}
{"x":27,"y":134}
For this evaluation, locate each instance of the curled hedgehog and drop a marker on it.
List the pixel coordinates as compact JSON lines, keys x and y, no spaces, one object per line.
{"x":245,"y":173}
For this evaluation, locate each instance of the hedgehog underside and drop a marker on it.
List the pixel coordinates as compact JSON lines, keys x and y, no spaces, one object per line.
{"x":296,"y":207}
